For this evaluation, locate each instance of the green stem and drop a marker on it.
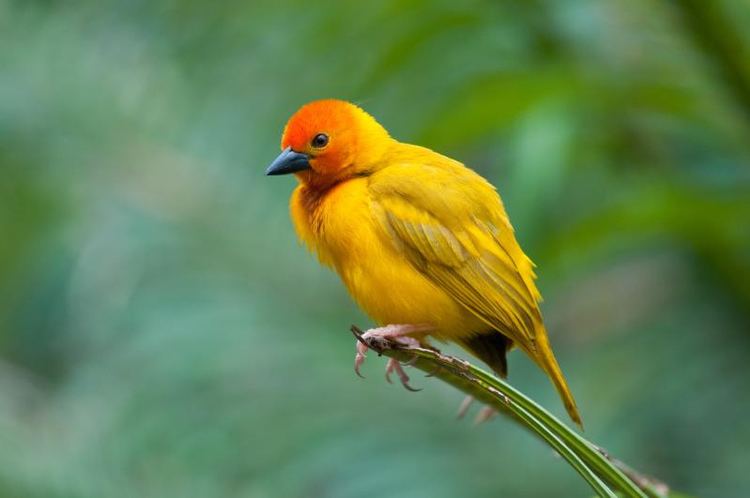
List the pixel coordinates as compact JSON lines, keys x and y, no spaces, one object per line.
{"x":600,"y":464}
{"x":587,"y":459}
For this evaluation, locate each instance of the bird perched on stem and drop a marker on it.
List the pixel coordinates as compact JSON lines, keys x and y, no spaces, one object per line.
{"x":422,"y":242}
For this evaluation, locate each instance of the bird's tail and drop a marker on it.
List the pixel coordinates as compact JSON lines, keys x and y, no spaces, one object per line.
{"x":545,"y":358}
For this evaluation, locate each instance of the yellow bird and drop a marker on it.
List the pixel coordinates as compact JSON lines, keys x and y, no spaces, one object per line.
{"x":422,"y":242}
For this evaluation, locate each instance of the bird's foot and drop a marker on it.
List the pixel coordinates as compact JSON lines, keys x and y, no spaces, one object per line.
{"x":394,"y":333}
{"x":394,"y":366}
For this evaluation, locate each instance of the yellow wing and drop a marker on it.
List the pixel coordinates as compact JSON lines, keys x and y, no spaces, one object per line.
{"x":452,"y":226}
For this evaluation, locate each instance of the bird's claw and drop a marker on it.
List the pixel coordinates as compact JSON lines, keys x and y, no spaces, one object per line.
{"x":390,"y":333}
{"x":358,"y":360}
{"x":394,"y":366}
{"x":362,"y":348}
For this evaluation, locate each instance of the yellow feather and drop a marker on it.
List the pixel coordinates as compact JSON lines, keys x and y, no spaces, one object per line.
{"x":419,"y":238}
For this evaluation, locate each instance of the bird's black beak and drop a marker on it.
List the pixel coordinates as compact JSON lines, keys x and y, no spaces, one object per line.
{"x":288,"y":162}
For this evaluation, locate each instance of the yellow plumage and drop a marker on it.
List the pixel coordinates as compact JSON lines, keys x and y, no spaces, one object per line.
{"x":417,"y":238}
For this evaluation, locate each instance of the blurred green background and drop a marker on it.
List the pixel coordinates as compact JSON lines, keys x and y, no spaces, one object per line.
{"x":162,"y":333}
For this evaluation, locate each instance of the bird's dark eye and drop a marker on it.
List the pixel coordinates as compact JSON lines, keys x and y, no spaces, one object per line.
{"x":320,"y":140}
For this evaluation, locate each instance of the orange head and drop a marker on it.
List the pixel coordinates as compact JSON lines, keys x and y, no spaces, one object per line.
{"x":329,"y":140}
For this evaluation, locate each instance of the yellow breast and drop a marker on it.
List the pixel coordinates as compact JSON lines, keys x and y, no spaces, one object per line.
{"x":340,"y":227}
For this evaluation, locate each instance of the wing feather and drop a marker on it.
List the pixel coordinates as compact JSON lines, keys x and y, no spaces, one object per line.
{"x":458,"y":235}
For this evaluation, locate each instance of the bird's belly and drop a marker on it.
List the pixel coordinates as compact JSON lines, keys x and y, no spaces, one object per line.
{"x":392,"y":291}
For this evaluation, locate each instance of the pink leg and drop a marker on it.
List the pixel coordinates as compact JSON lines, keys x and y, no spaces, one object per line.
{"x":396,"y":333}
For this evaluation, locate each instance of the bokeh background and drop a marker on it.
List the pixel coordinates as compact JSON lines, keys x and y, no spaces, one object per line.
{"x":163,"y":334}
